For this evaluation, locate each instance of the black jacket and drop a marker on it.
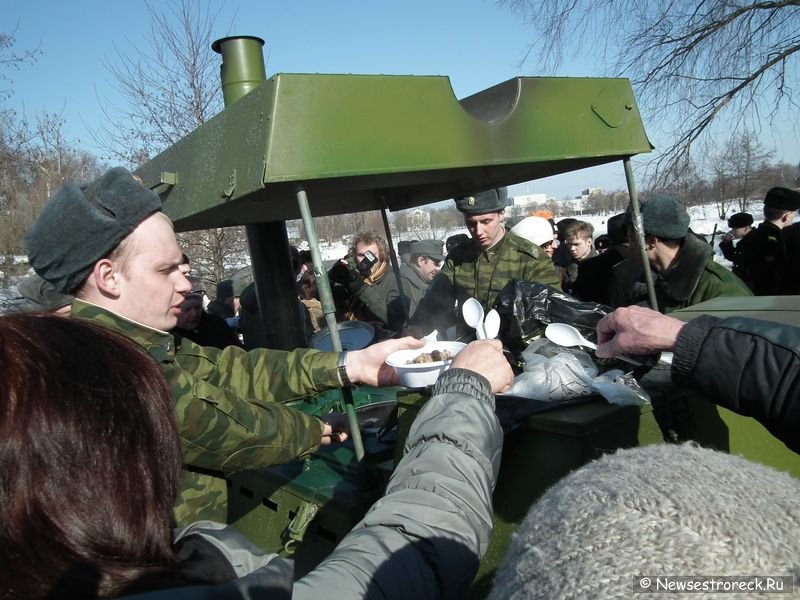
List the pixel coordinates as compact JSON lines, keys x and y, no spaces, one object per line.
{"x":749,"y":366}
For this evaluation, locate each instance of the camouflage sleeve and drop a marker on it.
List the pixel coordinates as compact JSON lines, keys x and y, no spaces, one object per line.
{"x":228,"y":404}
{"x":262,"y":374}
{"x":541,"y":270}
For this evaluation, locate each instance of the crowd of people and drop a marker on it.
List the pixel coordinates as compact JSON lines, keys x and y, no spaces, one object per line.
{"x":161,"y":399}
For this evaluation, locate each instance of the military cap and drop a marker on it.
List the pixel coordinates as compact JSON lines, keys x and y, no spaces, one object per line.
{"x":82,"y":223}
{"x":41,"y":294}
{"x":663,"y":216}
{"x":782,"y":198}
{"x":740,"y":220}
{"x":404,"y":247}
{"x":430,"y":248}
{"x":483,"y":202}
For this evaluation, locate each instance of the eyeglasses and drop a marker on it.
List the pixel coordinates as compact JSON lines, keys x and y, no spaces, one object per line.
{"x":435,"y":261}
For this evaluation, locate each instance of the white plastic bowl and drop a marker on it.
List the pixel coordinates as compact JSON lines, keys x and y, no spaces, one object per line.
{"x":421,"y":374}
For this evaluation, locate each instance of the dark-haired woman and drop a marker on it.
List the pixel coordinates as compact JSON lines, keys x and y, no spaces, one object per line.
{"x":90,"y":463}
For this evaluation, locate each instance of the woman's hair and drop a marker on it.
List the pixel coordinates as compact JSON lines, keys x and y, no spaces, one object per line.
{"x":90,"y":461}
{"x":307,"y":286}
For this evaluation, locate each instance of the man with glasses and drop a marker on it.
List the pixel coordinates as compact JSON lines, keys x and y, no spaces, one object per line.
{"x":416,"y":276}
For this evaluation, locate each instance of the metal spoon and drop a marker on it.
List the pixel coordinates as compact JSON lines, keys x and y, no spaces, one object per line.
{"x":473,"y":316}
{"x":491,"y":324}
{"x":566,"y":335}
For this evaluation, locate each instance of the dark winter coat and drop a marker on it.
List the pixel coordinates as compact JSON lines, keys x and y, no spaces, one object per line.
{"x":693,"y":277}
{"x":748,"y":366}
{"x":594,"y":274}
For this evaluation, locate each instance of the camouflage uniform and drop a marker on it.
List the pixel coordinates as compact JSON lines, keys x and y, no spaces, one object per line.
{"x":227,"y":407}
{"x":470,"y":271}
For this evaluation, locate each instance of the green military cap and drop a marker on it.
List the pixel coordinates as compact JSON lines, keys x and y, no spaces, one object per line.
{"x":483,"y":202}
{"x":82,"y":223}
{"x":430,"y":248}
{"x":782,"y":198}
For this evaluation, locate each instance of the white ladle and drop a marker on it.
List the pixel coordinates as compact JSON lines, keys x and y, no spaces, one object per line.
{"x":473,"y":316}
{"x":491,"y":324}
{"x":566,"y":335}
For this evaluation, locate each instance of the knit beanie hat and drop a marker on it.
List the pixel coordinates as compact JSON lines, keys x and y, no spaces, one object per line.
{"x":81,"y":224}
{"x":658,"y":510}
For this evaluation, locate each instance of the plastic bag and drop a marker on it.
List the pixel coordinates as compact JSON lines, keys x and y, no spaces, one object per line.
{"x":555,"y":374}
{"x":526,"y":309}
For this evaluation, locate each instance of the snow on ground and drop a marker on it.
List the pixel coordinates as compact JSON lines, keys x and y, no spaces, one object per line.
{"x":703,"y":221}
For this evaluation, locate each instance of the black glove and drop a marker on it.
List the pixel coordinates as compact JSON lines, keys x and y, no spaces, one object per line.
{"x":340,"y":273}
{"x":356,"y":283}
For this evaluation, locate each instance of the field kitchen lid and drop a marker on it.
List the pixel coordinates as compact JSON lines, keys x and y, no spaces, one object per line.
{"x":364,"y":142}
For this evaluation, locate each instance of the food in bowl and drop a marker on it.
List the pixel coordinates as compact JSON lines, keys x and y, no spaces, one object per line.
{"x":428,"y":357}
{"x":412,"y":368}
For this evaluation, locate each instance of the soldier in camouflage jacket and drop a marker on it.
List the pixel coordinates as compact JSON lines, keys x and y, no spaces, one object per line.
{"x":108,"y":243}
{"x":482,"y":267}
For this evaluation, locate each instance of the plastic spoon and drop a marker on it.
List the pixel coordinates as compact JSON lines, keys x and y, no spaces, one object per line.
{"x":566,"y":335}
{"x":491,"y":324}
{"x":473,"y":316}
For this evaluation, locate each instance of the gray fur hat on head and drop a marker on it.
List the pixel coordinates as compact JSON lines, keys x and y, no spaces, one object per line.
{"x":663,"y":510}
{"x":483,"y":202}
{"x":82,"y":223}
{"x":662,"y":216}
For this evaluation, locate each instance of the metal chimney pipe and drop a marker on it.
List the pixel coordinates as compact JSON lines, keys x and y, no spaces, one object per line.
{"x":242,"y":68}
{"x":242,"y":71}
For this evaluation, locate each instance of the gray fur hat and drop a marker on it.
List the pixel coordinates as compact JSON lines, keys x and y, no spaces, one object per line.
{"x":662,"y":216}
{"x":663,"y":509}
{"x":483,"y":202}
{"x":82,"y":223}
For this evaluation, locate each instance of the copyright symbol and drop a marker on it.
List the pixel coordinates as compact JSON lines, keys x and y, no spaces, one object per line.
{"x":644,"y":582}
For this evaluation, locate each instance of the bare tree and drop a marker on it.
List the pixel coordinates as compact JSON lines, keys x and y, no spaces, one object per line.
{"x":692,"y":64}
{"x":9,"y":59}
{"x":169,"y":87}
